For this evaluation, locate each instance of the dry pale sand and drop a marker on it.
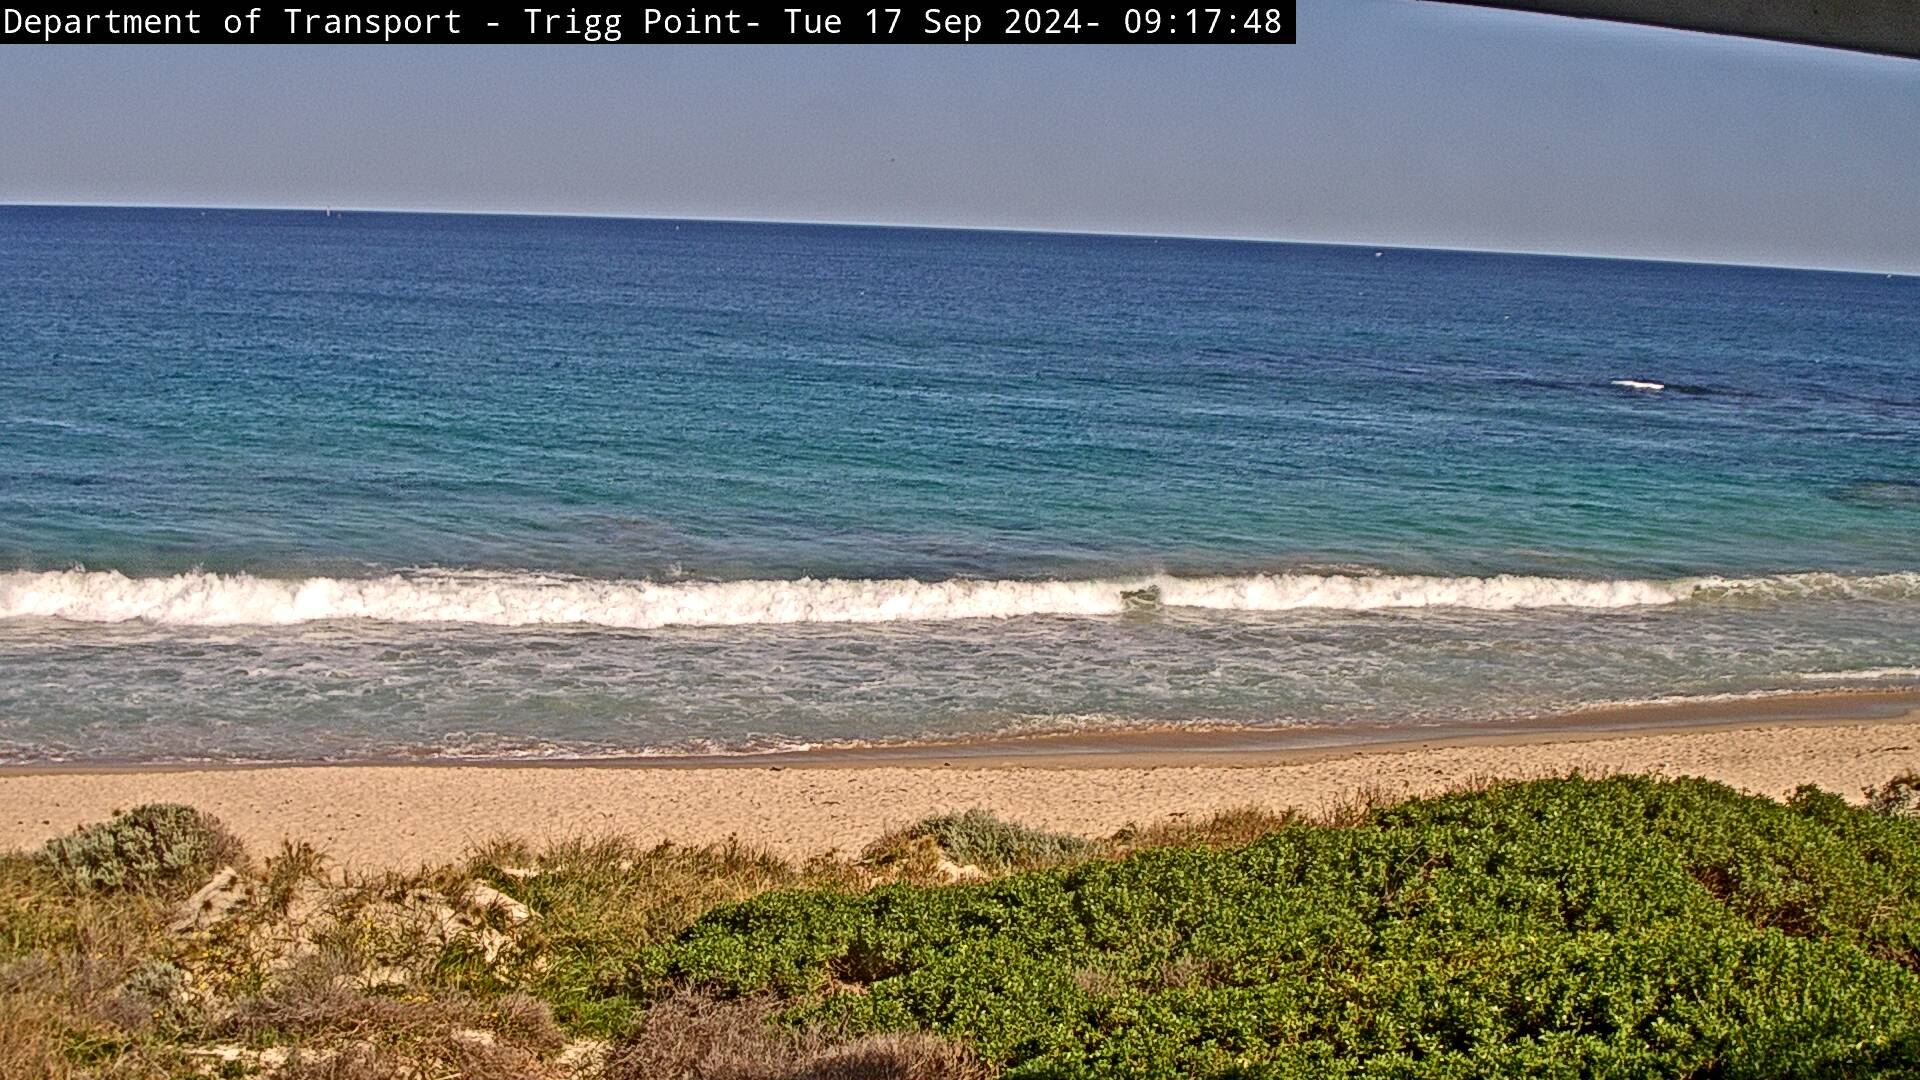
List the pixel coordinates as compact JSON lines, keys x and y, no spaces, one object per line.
{"x":400,"y":816}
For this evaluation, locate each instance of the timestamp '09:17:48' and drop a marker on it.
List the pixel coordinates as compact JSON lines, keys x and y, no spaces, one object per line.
{"x":1207,"y":22}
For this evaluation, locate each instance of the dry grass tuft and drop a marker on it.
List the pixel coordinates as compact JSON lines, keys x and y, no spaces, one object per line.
{"x":466,"y":1059}
{"x":1228,"y":828}
{"x":1358,"y":806}
{"x":694,"y":1037}
{"x":27,"y":1046}
{"x":341,"y":1031}
{"x":980,"y":839}
{"x":1899,"y":796}
{"x":892,"y":1056}
{"x":285,"y":874}
{"x":322,"y":998}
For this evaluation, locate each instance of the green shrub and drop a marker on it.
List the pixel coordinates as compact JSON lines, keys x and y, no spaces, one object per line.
{"x":1622,"y":927}
{"x":157,"y":846}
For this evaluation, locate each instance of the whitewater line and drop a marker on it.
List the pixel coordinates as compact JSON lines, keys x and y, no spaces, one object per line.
{"x":510,"y":599}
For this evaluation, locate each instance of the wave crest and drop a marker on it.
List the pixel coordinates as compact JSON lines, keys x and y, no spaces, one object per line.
{"x":516,"y":599}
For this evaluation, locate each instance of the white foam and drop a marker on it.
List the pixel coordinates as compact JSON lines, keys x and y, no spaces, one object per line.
{"x":514,"y":599}
{"x":1862,"y":674}
{"x":1638,"y":384}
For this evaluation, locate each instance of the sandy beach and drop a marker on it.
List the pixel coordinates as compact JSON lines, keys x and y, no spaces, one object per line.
{"x":399,"y":816}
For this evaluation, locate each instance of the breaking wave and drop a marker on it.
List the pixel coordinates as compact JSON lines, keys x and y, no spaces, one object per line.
{"x":520,"y":599}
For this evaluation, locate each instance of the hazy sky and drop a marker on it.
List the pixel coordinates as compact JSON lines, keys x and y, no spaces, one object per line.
{"x":1392,"y":122}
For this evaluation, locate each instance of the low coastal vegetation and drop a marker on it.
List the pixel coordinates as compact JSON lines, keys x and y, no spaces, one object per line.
{"x":1626,"y":927}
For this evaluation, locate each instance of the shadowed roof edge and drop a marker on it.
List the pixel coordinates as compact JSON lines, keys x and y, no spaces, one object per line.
{"x":1889,"y":27}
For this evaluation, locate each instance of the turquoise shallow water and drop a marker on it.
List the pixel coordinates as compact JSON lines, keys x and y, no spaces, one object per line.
{"x":283,"y":485}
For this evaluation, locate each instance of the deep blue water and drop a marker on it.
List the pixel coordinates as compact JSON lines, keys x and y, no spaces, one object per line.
{"x":283,"y":484}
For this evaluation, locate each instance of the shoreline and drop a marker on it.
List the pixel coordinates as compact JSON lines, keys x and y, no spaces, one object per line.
{"x":1225,"y":744}
{"x":401,"y":816}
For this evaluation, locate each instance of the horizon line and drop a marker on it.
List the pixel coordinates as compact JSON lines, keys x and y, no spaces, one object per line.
{"x":1018,"y":230}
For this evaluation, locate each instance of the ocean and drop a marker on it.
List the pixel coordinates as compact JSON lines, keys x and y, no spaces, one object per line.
{"x":353,"y":486}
